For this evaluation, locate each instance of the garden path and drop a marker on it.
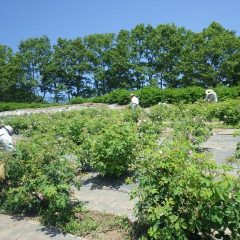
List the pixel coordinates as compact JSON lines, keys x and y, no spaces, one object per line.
{"x":12,"y":228}
{"x":222,"y":144}
{"x":61,"y":108}
{"x":106,"y":195}
{"x":113,"y":196}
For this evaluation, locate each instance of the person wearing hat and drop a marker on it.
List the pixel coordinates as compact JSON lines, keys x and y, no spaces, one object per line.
{"x":6,"y":141}
{"x":211,"y":96}
{"x":134,"y":101}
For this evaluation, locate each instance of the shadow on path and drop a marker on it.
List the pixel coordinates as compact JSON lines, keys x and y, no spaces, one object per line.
{"x":100,"y":182}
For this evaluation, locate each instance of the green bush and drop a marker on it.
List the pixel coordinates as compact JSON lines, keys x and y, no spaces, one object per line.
{"x":225,"y":111}
{"x":77,"y":100}
{"x":182,"y":194}
{"x":9,"y":106}
{"x":150,"y":96}
{"x":39,"y":179}
{"x":120,"y":96}
{"x":112,"y":149}
{"x":99,"y":99}
{"x":225,"y":93}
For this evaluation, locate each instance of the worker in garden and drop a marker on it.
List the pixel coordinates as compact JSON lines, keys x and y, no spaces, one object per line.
{"x":134,"y":101}
{"x":6,"y":141}
{"x":211,"y":96}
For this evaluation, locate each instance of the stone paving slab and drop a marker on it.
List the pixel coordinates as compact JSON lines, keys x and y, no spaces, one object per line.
{"x":223,"y":131}
{"x":109,"y":201}
{"x":222,"y":144}
{"x":28,"y":229}
{"x":105,"y":195}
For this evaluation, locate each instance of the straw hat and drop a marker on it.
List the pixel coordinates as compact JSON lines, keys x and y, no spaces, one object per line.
{"x":209,"y":91}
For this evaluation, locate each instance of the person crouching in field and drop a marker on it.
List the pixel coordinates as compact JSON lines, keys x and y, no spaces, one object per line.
{"x":211,"y":96}
{"x":6,"y":143}
{"x":134,"y":102}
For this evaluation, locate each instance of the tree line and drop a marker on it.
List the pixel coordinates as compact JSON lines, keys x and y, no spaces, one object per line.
{"x":166,"y":56}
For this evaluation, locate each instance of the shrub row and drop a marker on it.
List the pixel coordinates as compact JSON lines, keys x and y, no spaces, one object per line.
{"x":9,"y":106}
{"x":150,"y":96}
{"x":182,"y":193}
{"x":227,"y":111}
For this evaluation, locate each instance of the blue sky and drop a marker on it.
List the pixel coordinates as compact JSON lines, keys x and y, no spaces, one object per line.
{"x":22,"y":19}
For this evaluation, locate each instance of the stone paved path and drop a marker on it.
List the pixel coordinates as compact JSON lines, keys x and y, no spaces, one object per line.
{"x":26,"y":229}
{"x":222,"y":144}
{"x":104,"y":195}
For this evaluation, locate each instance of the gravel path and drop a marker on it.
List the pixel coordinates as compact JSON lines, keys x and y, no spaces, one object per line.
{"x":64,"y":108}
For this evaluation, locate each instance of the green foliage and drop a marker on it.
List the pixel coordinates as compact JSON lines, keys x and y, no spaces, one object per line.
{"x":182,"y":194}
{"x":81,"y":228}
{"x":225,"y":93}
{"x":226,"y":111}
{"x":40,"y":177}
{"x":150,"y":96}
{"x":9,"y":106}
{"x":114,"y":149}
{"x":77,"y":100}
{"x":121,"y":97}
{"x":103,"y":139}
{"x":165,"y":56}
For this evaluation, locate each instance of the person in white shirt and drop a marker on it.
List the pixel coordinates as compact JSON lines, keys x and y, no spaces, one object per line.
{"x":6,"y":138}
{"x":134,"y":101}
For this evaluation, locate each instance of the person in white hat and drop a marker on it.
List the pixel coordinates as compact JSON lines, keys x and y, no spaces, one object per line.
{"x":6,"y":141}
{"x":134,"y":101}
{"x":211,"y":96}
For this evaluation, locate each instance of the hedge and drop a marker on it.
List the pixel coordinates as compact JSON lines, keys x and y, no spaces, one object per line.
{"x":150,"y":96}
{"x":9,"y":106}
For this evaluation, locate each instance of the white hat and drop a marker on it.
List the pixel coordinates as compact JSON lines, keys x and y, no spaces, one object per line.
{"x":10,"y":129}
{"x":209,"y":91}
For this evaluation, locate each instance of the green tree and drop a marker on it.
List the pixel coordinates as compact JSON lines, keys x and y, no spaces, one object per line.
{"x":33,"y":54}
{"x":137,"y":60}
{"x":72,"y":66}
{"x":210,"y":57}
{"x":6,"y":83}
{"x":12,"y":81}
{"x":98,"y":46}
{"x":163,"y":50}
{"x":118,"y":59}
